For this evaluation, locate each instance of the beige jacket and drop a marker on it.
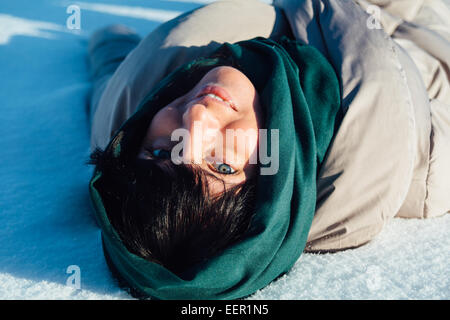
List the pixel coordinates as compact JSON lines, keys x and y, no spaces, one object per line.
{"x":391,"y":156}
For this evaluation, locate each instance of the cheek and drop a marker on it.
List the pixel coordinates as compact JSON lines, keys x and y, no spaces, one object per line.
{"x":163,"y":123}
{"x":250,"y":126}
{"x":243,"y":139}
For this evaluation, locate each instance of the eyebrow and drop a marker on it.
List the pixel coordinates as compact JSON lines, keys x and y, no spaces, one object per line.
{"x":208,"y":169}
{"x":223,"y":178}
{"x":167,"y":165}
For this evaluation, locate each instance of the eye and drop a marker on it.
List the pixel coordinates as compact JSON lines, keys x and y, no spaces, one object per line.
{"x":160,"y":153}
{"x":223,"y":168}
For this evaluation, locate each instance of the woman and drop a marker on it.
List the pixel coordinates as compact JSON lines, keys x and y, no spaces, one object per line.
{"x":216,"y":228}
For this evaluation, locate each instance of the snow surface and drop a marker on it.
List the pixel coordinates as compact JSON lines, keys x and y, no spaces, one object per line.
{"x":45,"y":213}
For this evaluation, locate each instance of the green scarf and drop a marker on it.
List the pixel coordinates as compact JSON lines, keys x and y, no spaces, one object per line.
{"x":300,"y":95}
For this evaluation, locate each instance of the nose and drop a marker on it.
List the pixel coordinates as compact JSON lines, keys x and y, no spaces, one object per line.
{"x":203,"y":127}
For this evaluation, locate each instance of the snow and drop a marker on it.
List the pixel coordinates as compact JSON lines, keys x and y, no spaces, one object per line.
{"x":47,"y":226}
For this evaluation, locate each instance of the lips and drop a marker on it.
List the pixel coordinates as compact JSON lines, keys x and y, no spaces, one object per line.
{"x":220,"y":92}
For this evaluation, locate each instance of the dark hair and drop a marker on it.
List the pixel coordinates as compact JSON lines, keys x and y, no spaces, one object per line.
{"x":164,"y":212}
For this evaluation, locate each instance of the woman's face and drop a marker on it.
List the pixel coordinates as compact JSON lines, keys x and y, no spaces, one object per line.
{"x":219,"y":136}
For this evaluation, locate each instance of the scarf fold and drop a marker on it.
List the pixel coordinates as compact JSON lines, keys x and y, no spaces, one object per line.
{"x":300,"y":96}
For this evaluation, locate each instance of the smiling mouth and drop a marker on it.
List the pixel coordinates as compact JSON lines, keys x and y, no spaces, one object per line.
{"x":219,"y":94}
